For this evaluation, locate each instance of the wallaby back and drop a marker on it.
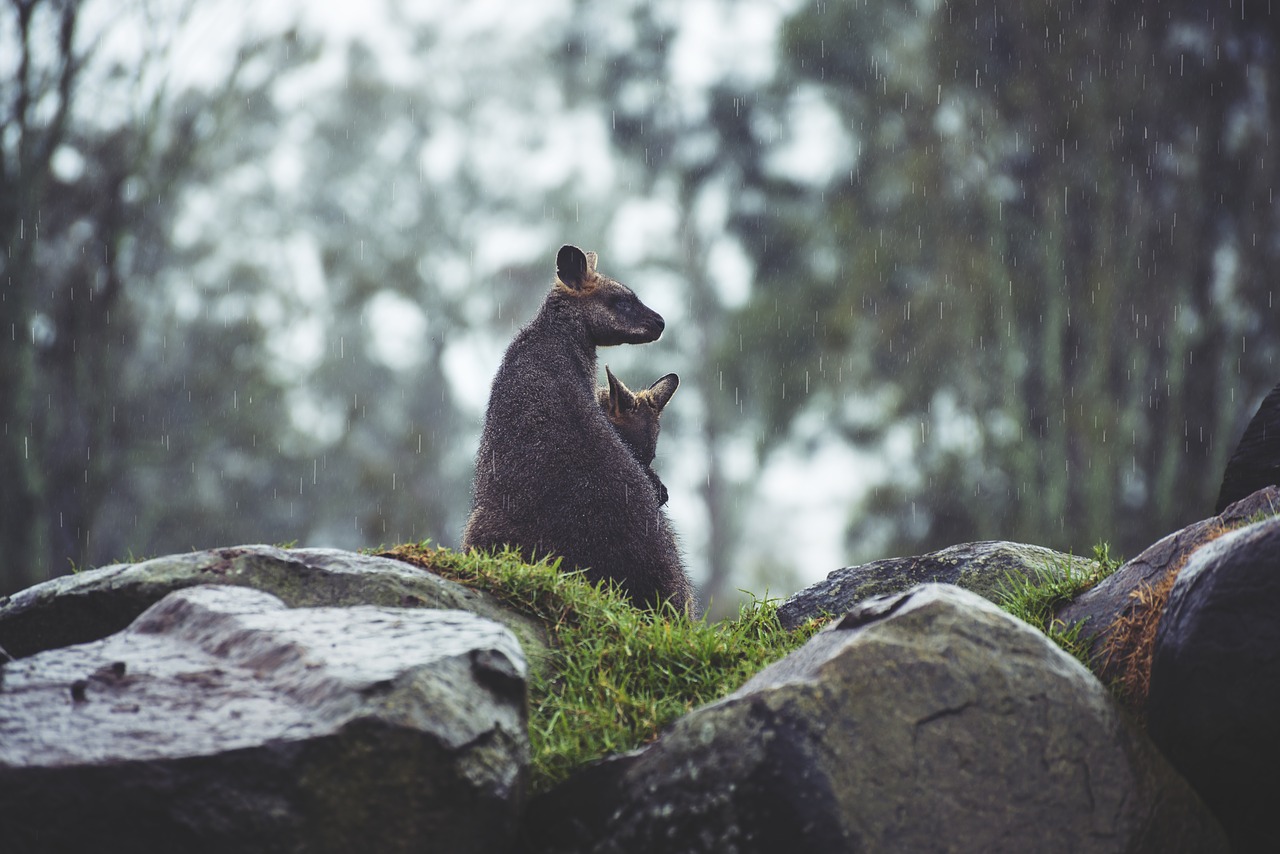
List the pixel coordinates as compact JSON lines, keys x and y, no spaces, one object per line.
{"x":552,"y":475}
{"x":635,"y":416}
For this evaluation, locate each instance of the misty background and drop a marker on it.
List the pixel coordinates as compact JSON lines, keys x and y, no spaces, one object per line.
{"x":932,"y":271}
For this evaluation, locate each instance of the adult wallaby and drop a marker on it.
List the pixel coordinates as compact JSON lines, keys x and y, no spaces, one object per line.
{"x":552,"y":475}
{"x":634,"y":415}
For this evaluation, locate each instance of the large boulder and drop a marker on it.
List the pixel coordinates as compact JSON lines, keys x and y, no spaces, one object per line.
{"x":90,"y":605}
{"x":220,"y":720}
{"x":1120,"y":614}
{"x":1214,"y":704}
{"x":981,"y":567}
{"x":926,"y":721}
{"x":1255,"y":464}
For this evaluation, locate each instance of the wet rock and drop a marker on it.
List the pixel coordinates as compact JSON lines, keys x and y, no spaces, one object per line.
{"x":980,"y":567}
{"x":1215,"y":680}
{"x":927,"y":721}
{"x":90,"y":605}
{"x":1256,"y":461}
{"x":221,"y":720}
{"x":1115,"y":612}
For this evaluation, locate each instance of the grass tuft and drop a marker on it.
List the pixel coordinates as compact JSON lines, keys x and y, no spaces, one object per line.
{"x":1257,"y":516}
{"x":1036,"y":599}
{"x":618,"y":674}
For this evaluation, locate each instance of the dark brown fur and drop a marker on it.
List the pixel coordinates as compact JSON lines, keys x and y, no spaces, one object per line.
{"x":552,"y":475}
{"x":635,"y":415}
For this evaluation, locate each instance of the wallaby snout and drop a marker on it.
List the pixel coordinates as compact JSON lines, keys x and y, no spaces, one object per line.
{"x":632,"y":322}
{"x":610,"y":310}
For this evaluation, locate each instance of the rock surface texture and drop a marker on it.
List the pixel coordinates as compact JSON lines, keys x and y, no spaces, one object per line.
{"x":221,"y":720}
{"x":90,"y":605}
{"x":926,"y":721}
{"x":980,"y":567}
{"x":1105,"y":607}
{"x":1214,"y":704}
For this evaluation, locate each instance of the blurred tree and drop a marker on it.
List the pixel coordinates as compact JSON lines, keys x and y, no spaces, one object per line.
{"x":89,"y":191}
{"x":362,"y":221}
{"x":1045,"y":259}
{"x":381,"y":229}
{"x":35,"y":94}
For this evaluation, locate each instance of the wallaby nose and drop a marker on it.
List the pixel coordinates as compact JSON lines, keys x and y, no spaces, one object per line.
{"x":655,"y":326}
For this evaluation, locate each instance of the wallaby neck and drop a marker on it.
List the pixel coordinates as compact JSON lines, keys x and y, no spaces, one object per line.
{"x":561,"y":337}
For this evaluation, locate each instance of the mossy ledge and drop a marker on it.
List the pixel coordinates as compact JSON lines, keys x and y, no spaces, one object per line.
{"x":1035,"y":600}
{"x":618,"y":674}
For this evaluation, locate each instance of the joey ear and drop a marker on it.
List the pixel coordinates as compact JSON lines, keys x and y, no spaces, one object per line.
{"x":620,"y":397}
{"x":661,"y":391}
{"x":571,"y":267}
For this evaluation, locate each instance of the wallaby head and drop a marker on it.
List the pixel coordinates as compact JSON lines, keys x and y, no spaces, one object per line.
{"x":634,"y":415}
{"x":610,"y":311}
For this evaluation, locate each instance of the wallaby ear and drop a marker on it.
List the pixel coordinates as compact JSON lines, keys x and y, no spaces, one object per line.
{"x":620,"y":397}
{"x":592,"y":258}
{"x":661,"y":391}
{"x":571,"y":267}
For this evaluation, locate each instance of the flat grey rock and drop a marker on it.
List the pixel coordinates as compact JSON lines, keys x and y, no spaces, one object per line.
{"x":981,"y":567}
{"x":221,"y":720}
{"x":90,"y":605}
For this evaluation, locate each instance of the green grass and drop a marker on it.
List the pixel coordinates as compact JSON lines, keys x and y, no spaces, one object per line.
{"x":1258,"y":516}
{"x":1035,"y":600}
{"x":618,"y":674}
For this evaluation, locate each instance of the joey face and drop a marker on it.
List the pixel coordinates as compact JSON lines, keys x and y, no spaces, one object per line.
{"x":635,"y":415}
{"x":610,"y":311}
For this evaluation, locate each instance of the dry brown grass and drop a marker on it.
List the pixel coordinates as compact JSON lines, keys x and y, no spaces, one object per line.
{"x":1131,"y":642}
{"x":1131,"y":637}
